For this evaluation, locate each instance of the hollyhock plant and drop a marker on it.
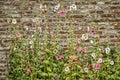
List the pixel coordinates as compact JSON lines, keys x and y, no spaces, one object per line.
{"x":60,"y":54}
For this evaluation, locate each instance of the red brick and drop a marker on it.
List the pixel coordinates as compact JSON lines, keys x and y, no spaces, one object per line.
{"x":108,"y":15}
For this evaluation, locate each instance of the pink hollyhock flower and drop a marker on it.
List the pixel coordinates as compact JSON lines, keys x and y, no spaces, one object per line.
{"x":78,"y":40}
{"x":100,"y":60}
{"x":65,"y":43}
{"x":84,"y":49}
{"x":8,"y":20}
{"x":29,"y":70}
{"x":63,"y":12}
{"x":23,"y":24}
{"x":18,"y":35}
{"x":59,"y":57}
{"x":25,"y":64}
{"x":93,"y":32}
{"x":48,"y":27}
{"x":77,"y":48}
{"x":98,"y":66}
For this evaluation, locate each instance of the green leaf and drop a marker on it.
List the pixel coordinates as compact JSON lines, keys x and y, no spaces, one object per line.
{"x":44,"y":74}
{"x":67,"y":78}
{"x":49,"y":69}
{"x":46,"y":62}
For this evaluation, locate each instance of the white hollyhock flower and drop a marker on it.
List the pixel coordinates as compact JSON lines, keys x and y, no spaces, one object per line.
{"x":84,"y":37}
{"x":31,"y":42}
{"x":93,"y":55}
{"x":86,"y":69}
{"x":41,"y":6}
{"x":67,"y":68}
{"x":100,"y":60}
{"x":91,"y":41}
{"x":14,"y":21}
{"x":57,"y":7}
{"x":73,"y":7}
{"x":107,"y":50}
{"x":88,"y":28}
{"x":112,"y":62}
{"x":35,"y":19}
{"x":26,"y":27}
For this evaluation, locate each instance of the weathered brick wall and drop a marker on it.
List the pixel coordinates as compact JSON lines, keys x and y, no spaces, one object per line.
{"x":106,"y":13}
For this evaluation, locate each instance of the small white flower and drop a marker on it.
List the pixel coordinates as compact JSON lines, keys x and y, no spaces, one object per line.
{"x":57,"y":7}
{"x":88,"y":28}
{"x":79,"y":28}
{"x":41,"y":6}
{"x":100,"y":60}
{"x":14,"y":21}
{"x":26,"y":27}
{"x":73,"y":7}
{"x":84,"y":37}
{"x":107,"y":50}
{"x":93,"y":55}
{"x":32,"y":36}
{"x":35,"y":19}
{"x":112,"y":62}
{"x":31,"y":42}
{"x":15,"y":48}
{"x":91,"y":41}
{"x":67,"y":68}
{"x":31,"y":46}
{"x":86,"y":69}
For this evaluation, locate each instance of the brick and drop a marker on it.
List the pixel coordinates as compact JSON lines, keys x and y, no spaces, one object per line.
{"x":114,"y":7}
{"x":77,"y":16}
{"x":108,"y":15}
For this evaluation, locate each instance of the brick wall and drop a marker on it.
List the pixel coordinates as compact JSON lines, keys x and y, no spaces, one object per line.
{"x":105,"y":13}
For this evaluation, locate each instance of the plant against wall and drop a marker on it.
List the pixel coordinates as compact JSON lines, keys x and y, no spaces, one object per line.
{"x":42,"y":55}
